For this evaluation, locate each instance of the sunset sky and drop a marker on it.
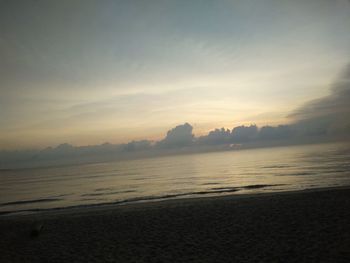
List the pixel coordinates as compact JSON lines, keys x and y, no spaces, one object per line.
{"x":87,"y":72}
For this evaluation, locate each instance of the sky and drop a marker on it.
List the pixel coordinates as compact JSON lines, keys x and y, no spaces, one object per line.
{"x":87,"y":72}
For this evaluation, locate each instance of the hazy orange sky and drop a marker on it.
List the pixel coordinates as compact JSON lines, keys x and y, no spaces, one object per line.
{"x":87,"y":72}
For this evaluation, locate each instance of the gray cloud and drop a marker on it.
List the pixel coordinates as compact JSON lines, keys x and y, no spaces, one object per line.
{"x":276,"y":133}
{"x":137,"y":146}
{"x":328,"y":115}
{"x":217,"y":136}
{"x":179,"y":136}
{"x":247,"y":134}
{"x":244,"y":133}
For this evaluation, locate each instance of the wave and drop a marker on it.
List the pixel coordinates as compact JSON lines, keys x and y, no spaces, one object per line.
{"x":109,"y":193}
{"x":22,"y":202}
{"x":215,"y":190}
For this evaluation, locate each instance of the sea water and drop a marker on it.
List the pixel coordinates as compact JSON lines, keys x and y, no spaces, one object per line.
{"x":181,"y":176}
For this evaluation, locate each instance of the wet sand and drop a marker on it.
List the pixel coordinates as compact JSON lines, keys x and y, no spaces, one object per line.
{"x":305,"y":226}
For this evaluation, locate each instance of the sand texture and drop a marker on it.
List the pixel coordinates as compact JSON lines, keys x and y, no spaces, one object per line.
{"x":294,"y":227}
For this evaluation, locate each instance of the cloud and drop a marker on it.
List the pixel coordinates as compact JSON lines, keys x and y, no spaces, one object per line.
{"x":276,"y":133}
{"x":247,"y":134}
{"x":217,"y":136}
{"x":137,"y":146}
{"x":179,"y":136}
{"x":328,"y":115}
{"x":244,"y":133}
{"x":225,"y":136}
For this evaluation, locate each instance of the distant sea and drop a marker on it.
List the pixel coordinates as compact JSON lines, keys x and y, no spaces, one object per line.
{"x":183,"y":176}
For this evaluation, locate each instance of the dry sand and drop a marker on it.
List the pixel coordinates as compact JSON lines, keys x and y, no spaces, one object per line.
{"x":310,"y":226}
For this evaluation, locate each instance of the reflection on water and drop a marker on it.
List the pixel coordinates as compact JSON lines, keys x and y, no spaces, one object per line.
{"x":234,"y":172}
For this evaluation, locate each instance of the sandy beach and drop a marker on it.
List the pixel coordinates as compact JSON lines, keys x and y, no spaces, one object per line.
{"x":305,"y":226}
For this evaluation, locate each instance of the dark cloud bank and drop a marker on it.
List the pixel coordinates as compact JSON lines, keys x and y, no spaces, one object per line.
{"x":321,"y":120}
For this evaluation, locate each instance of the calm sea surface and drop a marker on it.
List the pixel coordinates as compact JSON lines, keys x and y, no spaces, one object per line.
{"x":196,"y":175}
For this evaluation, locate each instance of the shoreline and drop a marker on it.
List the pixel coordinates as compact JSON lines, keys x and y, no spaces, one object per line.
{"x":157,"y":202}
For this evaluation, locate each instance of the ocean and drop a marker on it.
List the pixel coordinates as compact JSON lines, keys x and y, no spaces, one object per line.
{"x":178,"y":176}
